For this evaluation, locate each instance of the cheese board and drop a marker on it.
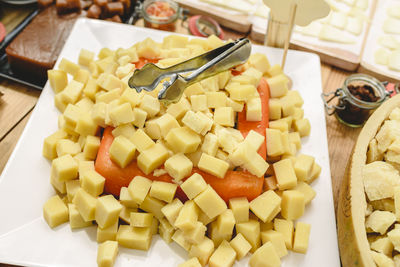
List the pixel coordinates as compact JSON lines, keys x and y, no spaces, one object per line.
{"x":24,"y":236}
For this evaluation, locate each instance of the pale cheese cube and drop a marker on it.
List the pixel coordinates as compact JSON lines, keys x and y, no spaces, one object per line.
{"x":91,"y":147}
{"x":277,"y":240}
{"x":179,"y":109}
{"x":380,"y":221}
{"x":183,"y":140}
{"x":178,"y":166}
{"x":193,"y":186}
{"x":126,"y":199}
{"x":152,"y":158}
{"x":152,"y":129}
{"x":224,"y":116}
{"x":294,"y":138}
{"x":71,"y":187}
{"x":394,"y":237}
{"x":254,"y":139}
{"x":213,"y":165}
{"x":266,"y":206}
{"x":308,"y":192}
{"x":55,"y":212}
{"x":106,"y":253}
{"x":286,"y":228}
{"x":86,"y":125}
{"x":171,"y":210}
{"x":226,"y":140}
{"x":68,"y":66}
{"x":257,"y":166}
{"x":285,"y":174}
{"x":121,"y":114}
{"x":236,"y":105}
{"x":302,"y":126}
{"x":303,"y":166}
{"x":109,"y":82}
{"x":166,"y":230}
{"x":208,"y":122}
{"x":274,"y":142}
{"x":240,"y":245}
{"x":150,"y":104}
{"x":92,"y":182}
{"x":141,"y":219}
{"x":75,"y":219}
{"x":223,"y":256}
{"x":174,"y":41}
{"x":187,"y":216}
{"x":193,"y":121}
{"x":280,"y":125}
{"x":50,"y":144}
{"x":107,"y":211}
{"x":152,"y":205}
{"x":240,"y":209}
{"x":99,"y":114}
{"x":240,"y":92}
{"x":141,"y":140}
{"x":139,"y":116}
{"x":216,"y":235}
{"x":193,"y":262}
{"x":122,"y":151}
{"x":278,"y":85}
{"x":165,"y":123}
{"x":316,"y":170}
{"x":210,"y":202}
{"x":381,"y":260}
{"x":134,"y":237}
{"x":216,"y":99}
{"x":138,"y":188}
{"x":210,"y":144}
{"x":130,"y":96}
{"x":86,"y":204}
{"x":196,"y":234}
{"x":383,"y":245}
{"x":58,"y":80}
{"x":66,"y":146}
{"x":64,"y":168}
{"x":214,"y":42}
{"x":163,"y":191}
{"x":179,"y":238}
{"x":275,"y":109}
{"x":199,"y":102}
{"x":225,"y":222}
{"x":108,"y":97}
{"x":301,"y":236}
{"x":210,"y":84}
{"x":202,"y":251}
{"x":223,"y":78}
{"x":260,"y":62}
{"x":266,"y":251}
{"x":251,"y":231}
{"x":254,"y":109}
{"x":293,"y":204}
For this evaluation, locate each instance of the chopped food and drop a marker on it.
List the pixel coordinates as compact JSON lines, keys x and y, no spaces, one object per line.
{"x":207,"y":172}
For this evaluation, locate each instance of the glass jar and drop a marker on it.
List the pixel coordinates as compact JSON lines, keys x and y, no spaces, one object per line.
{"x":350,"y":109}
{"x":160,"y":14}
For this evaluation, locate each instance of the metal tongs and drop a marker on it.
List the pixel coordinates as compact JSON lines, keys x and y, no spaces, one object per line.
{"x":190,"y":71}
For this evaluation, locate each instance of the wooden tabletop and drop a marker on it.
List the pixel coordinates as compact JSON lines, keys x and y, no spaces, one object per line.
{"x":18,"y":101}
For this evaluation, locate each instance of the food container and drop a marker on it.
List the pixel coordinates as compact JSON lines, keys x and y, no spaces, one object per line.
{"x":359,"y":96}
{"x":352,"y":236}
{"x":160,"y":14}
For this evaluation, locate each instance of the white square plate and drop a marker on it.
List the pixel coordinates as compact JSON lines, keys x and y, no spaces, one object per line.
{"x":26,"y":239}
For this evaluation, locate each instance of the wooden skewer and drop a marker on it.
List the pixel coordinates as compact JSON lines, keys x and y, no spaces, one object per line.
{"x":289,"y":33}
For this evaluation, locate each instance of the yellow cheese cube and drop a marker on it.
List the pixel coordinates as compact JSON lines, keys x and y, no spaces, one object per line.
{"x":274,"y":142}
{"x":308,"y":192}
{"x":56,"y":183}
{"x":187,"y":216}
{"x":92,"y":182}
{"x":86,"y":125}
{"x":125,"y":214}
{"x":99,"y":113}
{"x":71,"y":115}
{"x":254,"y":139}
{"x":275,"y":70}
{"x":134,"y":237}
{"x":266,"y":251}
{"x":130,"y":96}
{"x":199,"y":102}
{"x":278,"y":85}
{"x":50,"y":144}
{"x":202,"y":251}
{"x":75,"y":219}
{"x":301,"y":235}
{"x":122,"y":114}
{"x":260,"y":62}
{"x":85,"y":104}
{"x":171,"y":210}
{"x":194,"y":122}
{"x":266,"y":206}
{"x":163,"y":191}
{"x":223,"y":256}
{"x":293,"y":204}
{"x":240,"y":209}
{"x":152,"y":129}
{"x":72,"y":92}
{"x":140,"y":219}
{"x":183,"y":140}
{"x":379,"y":221}
{"x":257,"y":166}
{"x":179,"y":238}
{"x":381,"y":259}
{"x":224,"y":116}
{"x":152,"y":158}
{"x":210,"y":144}
{"x":109,"y":82}
{"x":285,"y":174}
{"x":215,"y":233}
{"x":55,"y":212}
{"x":210,"y":202}
{"x":64,"y":168}
{"x":253,"y":109}
{"x":107,"y":210}
{"x":277,"y":240}
{"x":194,"y":185}
{"x":316,"y":171}
{"x":223,"y":79}
{"x":178,"y":166}
{"x":91,"y":147}
{"x":275,"y":108}
{"x":179,"y":109}
{"x":303,"y":166}
{"x":82,"y":76}
{"x":225,"y":222}
{"x":210,"y":84}
{"x":138,"y":188}
{"x":150,"y":104}
{"x":84,"y":166}
{"x":153,"y":205}
{"x":68,"y":66}
{"x":66,"y":146}
{"x":105,"y":53}
{"x":254,"y":73}
{"x":240,"y":92}
{"x":286,"y":228}
{"x":216,"y":99}
{"x":213,"y":165}
{"x":106,"y":253}
{"x":193,"y":262}
{"x":122,"y":151}
{"x":91,"y":88}
{"x":302,"y":126}
{"x":108,"y":97}
{"x":126,"y":199}
{"x":58,"y":80}
{"x":166,"y":230}
{"x":85,"y":203}
{"x":71,"y":187}
{"x":294,"y":138}
{"x":85,"y":57}
{"x":240,"y":245}
{"x":148,"y":49}
{"x":141,"y":140}
{"x":196,"y":234}
{"x":208,"y":122}
{"x":165,"y":123}
{"x":236,"y":105}
{"x":280,"y":125}
{"x":383,"y":245}
{"x":251,"y":231}
{"x":107,"y":233}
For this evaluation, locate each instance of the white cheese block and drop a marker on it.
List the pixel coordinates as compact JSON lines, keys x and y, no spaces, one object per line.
{"x":394,"y":60}
{"x":311,"y":30}
{"x":332,"y":34}
{"x":389,"y":41}
{"x":392,"y":25}
{"x":381,"y":56}
{"x":394,"y":11}
{"x":338,"y":19}
{"x":354,"y":25}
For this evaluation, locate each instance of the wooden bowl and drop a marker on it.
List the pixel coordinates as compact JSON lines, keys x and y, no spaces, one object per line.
{"x":353,"y":243}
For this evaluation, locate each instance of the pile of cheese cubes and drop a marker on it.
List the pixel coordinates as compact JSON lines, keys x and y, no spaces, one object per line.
{"x":382,"y":187}
{"x":198,"y":131}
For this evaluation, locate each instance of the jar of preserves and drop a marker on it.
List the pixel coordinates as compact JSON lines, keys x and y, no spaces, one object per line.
{"x":360,"y":95}
{"x":160,"y":14}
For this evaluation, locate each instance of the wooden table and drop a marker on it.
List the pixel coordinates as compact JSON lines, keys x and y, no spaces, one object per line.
{"x":18,"y":101}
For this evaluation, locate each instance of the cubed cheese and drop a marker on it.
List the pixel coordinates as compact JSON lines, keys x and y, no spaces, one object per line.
{"x":107,"y":210}
{"x":55,"y":212}
{"x":194,"y":185}
{"x":163,"y":190}
{"x":92,"y":182}
{"x":106,"y":253}
{"x":122,"y":151}
{"x":138,"y":188}
{"x":210,"y":202}
{"x":285,"y":174}
{"x":223,"y":256}
{"x":178,"y":166}
{"x":183,"y":140}
{"x":266,"y":206}
{"x":301,"y":236}
{"x":277,"y":240}
{"x":266,"y":251}
{"x":152,"y":158}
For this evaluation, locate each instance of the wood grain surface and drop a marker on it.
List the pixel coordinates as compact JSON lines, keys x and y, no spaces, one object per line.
{"x":18,"y":101}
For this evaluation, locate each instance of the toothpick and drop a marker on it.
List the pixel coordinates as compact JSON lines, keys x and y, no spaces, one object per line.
{"x":291,"y":25}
